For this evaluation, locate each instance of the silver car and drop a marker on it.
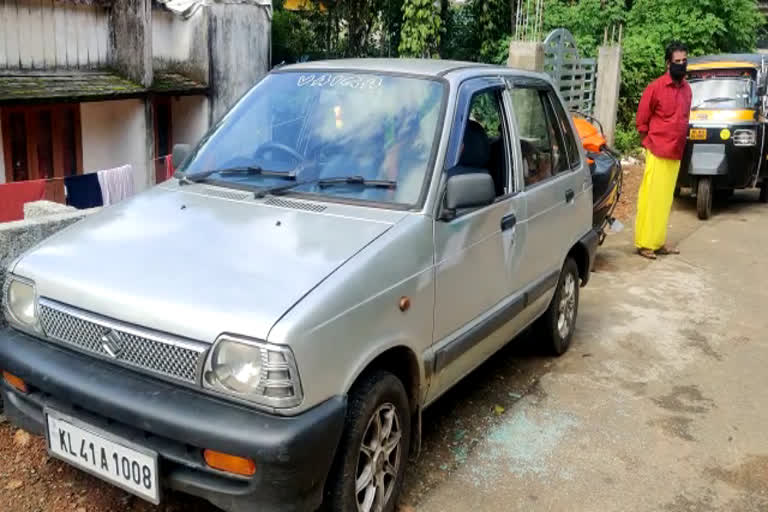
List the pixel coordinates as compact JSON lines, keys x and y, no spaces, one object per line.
{"x":346,"y":244}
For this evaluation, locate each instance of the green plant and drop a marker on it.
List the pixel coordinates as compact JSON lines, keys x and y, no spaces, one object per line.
{"x":420,"y":36}
{"x":627,"y":141}
{"x":460,"y":40}
{"x":706,"y":26}
{"x":494,"y":23}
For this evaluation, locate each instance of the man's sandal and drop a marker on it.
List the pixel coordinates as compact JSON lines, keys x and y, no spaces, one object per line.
{"x":647,"y":253}
{"x":665,"y":251}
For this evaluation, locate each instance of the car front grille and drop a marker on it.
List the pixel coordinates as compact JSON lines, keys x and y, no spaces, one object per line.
{"x":160,"y":354}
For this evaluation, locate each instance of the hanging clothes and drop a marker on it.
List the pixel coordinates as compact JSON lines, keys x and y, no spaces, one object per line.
{"x":116,"y":184}
{"x":13,"y":196}
{"x":168,"y":167}
{"x":83,"y":191}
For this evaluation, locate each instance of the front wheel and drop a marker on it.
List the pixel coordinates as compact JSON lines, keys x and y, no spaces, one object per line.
{"x":559,"y":322}
{"x":370,"y":465}
{"x":704,"y":198}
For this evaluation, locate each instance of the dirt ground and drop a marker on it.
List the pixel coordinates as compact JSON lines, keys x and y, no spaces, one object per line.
{"x":625,"y":210}
{"x":31,"y":481}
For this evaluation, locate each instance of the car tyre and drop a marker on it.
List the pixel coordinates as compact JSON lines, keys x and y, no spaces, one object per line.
{"x":704,"y":198}
{"x":370,"y":463}
{"x":764,"y":191}
{"x":559,"y":322}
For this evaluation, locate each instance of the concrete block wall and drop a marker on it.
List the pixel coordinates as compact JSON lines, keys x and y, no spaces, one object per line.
{"x":608,"y":87}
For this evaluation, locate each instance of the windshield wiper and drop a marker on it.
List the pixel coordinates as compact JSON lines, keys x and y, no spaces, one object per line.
{"x":248,"y":170}
{"x":719,"y":99}
{"x":356,"y":180}
{"x":329,"y":182}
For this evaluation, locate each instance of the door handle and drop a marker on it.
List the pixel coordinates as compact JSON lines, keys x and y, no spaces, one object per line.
{"x":508,"y":222}
{"x":569,"y":195}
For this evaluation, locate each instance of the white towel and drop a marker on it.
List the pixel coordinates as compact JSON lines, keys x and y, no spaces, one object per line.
{"x":116,"y":184}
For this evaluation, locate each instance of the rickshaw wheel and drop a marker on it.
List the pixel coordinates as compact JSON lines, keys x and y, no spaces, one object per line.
{"x":677,"y":191}
{"x":764,"y":192}
{"x":704,"y":198}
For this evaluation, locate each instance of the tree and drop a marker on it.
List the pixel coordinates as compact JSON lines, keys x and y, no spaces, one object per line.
{"x":420,"y":36}
{"x":706,"y":26}
{"x":493,"y":24}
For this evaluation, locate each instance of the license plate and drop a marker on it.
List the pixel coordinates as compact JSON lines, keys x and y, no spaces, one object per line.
{"x":698,"y":134}
{"x":117,"y":461}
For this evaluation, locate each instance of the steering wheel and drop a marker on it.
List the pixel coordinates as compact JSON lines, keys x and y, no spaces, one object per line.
{"x":281,"y":148}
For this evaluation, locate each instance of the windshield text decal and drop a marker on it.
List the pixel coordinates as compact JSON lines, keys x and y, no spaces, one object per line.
{"x":350,"y":81}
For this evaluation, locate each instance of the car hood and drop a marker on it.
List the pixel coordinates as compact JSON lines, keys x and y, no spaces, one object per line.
{"x":183,"y":262}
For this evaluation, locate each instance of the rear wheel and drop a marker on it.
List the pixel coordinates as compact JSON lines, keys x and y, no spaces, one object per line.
{"x":370,"y":465}
{"x":559,"y":321}
{"x":677,"y":191}
{"x":764,"y":191}
{"x":704,"y":198}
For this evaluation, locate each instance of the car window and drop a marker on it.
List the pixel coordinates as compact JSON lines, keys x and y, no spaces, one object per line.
{"x":486,"y":119}
{"x":485,"y":109}
{"x":563,"y":121}
{"x":535,"y":134}
{"x":323,"y":125}
{"x":559,"y":155}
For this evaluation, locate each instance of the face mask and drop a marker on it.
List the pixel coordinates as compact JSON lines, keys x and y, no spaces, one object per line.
{"x":677,"y":71}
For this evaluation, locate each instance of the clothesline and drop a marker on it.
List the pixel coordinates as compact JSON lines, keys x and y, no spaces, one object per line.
{"x":90,"y":190}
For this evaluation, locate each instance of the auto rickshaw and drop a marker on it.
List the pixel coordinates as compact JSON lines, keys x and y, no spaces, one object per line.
{"x":726,"y":147}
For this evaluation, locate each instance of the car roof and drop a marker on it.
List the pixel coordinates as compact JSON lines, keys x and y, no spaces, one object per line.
{"x":732,"y":60}
{"x":424,"y":67}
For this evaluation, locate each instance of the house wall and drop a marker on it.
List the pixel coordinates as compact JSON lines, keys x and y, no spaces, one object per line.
{"x":190,"y":119}
{"x":179,"y":44}
{"x":45,"y":34}
{"x":240,"y":52}
{"x":114,"y":133}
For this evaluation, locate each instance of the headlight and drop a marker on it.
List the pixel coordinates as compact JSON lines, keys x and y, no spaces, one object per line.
{"x":255,"y":371}
{"x":20,"y":300}
{"x":745,"y":137}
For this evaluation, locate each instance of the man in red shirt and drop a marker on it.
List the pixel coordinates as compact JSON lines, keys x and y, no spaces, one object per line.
{"x":662,"y":120}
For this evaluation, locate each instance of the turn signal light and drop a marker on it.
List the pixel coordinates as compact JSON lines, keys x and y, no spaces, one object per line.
{"x":16,"y":382}
{"x":229,"y":463}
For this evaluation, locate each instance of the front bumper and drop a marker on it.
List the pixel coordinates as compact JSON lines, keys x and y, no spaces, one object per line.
{"x":293,"y":455}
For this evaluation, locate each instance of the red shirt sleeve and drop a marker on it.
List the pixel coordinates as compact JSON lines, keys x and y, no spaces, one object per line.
{"x":644,"y":110}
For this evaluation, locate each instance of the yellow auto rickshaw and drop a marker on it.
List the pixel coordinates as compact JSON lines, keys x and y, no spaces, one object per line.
{"x":726,"y":147}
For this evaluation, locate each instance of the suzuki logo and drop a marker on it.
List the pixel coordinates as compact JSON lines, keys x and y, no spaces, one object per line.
{"x":112,"y":343}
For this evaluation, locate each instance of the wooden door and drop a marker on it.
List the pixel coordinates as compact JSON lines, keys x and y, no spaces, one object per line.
{"x":41,"y":141}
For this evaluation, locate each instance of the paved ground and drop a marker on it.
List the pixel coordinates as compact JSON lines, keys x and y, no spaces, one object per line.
{"x":661,"y":405}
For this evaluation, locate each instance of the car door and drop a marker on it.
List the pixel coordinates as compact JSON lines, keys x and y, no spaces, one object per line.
{"x":477,"y":254}
{"x":549,"y":183}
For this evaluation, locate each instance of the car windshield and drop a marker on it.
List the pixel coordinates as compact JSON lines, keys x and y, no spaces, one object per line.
{"x":722,"y":93}
{"x":308,"y":127}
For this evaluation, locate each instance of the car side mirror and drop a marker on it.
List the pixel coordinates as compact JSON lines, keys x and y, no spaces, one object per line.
{"x":472,"y":190}
{"x":762,"y":86}
{"x":180,"y":153}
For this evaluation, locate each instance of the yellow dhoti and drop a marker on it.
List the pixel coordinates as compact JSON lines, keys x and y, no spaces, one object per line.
{"x":654,"y":201}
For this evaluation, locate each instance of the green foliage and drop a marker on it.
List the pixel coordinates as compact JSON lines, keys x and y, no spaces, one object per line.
{"x":460,"y":40}
{"x":420,"y":35}
{"x":293,"y":36}
{"x":627,"y":140}
{"x":706,"y":26}
{"x":494,"y":23}
{"x":586,"y":19}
